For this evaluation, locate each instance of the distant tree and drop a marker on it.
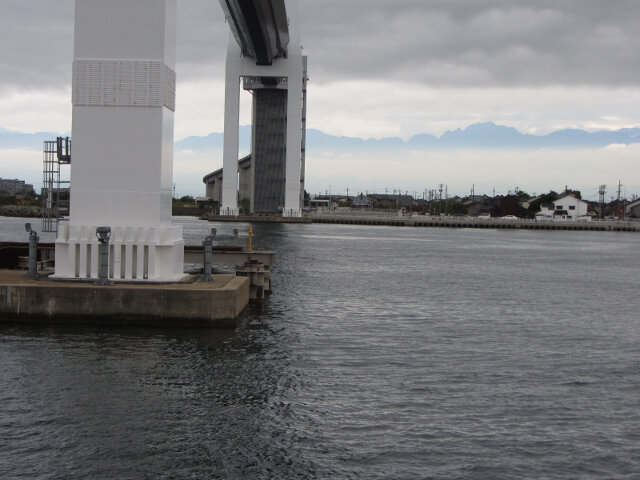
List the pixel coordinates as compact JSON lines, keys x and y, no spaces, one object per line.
{"x":510,"y":205}
{"x":575,"y":193}
{"x":448,"y":207}
{"x":534,"y":206}
{"x":187,"y":199}
{"x":6,"y":199}
{"x":459,"y":209}
{"x":548,"y":197}
{"x":244,"y":205}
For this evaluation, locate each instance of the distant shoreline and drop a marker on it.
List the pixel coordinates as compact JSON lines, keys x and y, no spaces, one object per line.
{"x":24,"y":211}
{"x":393,"y":220}
{"x":379,"y":219}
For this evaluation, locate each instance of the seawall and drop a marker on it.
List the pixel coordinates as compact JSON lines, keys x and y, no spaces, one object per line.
{"x":463,"y":222}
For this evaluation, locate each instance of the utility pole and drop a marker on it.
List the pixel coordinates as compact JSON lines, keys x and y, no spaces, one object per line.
{"x":618,"y":204}
{"x":601,"y":192}
{"x":446,"y":199}
{"x":432,"y":199}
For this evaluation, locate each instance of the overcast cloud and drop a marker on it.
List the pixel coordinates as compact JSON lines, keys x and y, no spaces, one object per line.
{"x":438,"y":42}
{"x":377,"y":67}
{"x":476,"y":42}
{"x":420,"y":44}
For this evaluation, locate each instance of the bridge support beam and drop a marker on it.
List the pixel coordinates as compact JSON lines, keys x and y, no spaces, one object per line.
{"x":293,"y":69}
{"x":231,"y":131}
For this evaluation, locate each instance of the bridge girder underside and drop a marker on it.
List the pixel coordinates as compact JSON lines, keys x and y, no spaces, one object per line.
{"x":260,"y":28}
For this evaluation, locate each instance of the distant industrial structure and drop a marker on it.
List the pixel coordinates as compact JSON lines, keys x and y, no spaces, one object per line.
{"x":265,"y":54}
{"x":15,"y":187}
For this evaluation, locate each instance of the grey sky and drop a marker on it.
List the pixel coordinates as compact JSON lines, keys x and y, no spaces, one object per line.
{"x":440,"y":42}
{"x":477,"y":42}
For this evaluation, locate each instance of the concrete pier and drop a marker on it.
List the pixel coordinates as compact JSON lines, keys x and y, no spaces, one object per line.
{"x":185,"y":304}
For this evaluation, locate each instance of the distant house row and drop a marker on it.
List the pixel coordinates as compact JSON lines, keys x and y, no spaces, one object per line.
{"x":368,"y":201}
{"x":567,"y":206}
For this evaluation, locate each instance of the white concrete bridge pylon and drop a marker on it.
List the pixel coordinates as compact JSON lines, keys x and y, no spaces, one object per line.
{"x":122,"y":171}
{"x":291,"y":67}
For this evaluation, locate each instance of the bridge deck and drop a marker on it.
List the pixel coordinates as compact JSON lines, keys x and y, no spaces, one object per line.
{"x":260,"y":27}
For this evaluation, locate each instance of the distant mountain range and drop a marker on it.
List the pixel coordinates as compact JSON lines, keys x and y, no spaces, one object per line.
{"x":11,"y":139}
{"x":480,"y":136}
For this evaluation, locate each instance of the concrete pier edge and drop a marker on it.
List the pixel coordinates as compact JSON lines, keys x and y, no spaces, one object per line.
{"x":217,"y":304}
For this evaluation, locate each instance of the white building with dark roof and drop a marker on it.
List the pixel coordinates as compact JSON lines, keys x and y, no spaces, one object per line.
{"x":565,"y":207}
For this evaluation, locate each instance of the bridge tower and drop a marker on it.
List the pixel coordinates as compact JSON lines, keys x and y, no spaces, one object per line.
{"x":264,"y":50}
{"x":123,"y":97}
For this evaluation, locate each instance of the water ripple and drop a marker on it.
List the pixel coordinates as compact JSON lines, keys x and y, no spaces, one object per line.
{"x":382,"y":353}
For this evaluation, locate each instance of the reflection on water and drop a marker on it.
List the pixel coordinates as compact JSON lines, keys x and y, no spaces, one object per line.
{"x":382,"y":353}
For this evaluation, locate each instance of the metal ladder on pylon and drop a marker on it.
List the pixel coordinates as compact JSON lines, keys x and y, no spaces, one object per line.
{"x":55,"y":191}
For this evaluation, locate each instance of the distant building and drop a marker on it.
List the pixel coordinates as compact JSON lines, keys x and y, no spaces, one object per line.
{"x":527,"y":203}
{"x":391,"y":201}
{"x":480,"y":205}
{"x":565,"y":207}
{"x":319,"y":202}
{"x":361,"y":202}
{"x":479,"y":198}
{"x":341,"y":201}
{"x":509,"y":205}
{"x":546,"y":212}
{"x":15,"y":187}
{"x":632,"y":210}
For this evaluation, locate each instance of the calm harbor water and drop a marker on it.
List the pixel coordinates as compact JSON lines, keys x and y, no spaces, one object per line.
{"x":383,"y":353}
